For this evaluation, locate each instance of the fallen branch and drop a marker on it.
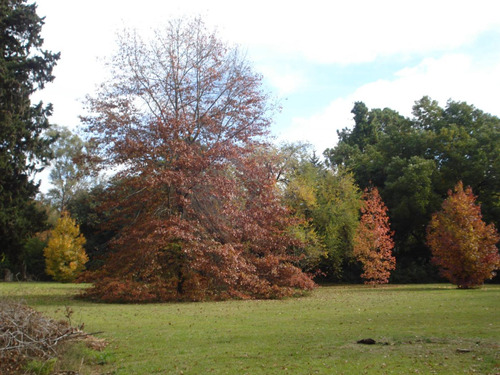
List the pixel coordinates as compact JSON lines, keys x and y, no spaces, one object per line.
{"x":29,"y":333}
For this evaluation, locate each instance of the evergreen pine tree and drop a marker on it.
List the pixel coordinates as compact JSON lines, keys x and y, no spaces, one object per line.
{"x":24,"y":68}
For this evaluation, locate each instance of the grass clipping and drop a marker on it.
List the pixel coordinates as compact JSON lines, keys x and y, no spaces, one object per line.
{"x":26,"y":334}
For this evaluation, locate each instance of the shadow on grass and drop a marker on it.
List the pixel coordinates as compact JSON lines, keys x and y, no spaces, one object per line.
{"x":397,"y":287}
{"x":45,"y":294}
{"x":424,"y":288}
{"x":43,"y":299}
{"x":415,"y":288}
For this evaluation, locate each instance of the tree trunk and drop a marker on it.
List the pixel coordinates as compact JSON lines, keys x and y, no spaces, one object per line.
{"x":180,"y":282}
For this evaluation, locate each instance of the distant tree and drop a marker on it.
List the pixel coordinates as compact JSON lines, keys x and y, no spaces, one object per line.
{"x":183,"y":122}
{"x":24,"y":68}
{"x":327,"y":202}
{"x":65,"y":256}
{"x":286,"y":159}
{"x":67,"y":175}
{"x":463,"y":246}
{"x":95,"y":223}
{"x":336,"y":219}
{"x":300,"y":191}
{"x":373,"y":242}
{"x":33,"y":256}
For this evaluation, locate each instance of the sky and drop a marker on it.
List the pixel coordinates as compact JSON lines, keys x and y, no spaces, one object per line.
{"x":317,"y":57}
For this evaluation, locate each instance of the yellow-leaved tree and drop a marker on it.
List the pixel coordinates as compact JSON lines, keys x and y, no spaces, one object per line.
{"x":65,"y":256}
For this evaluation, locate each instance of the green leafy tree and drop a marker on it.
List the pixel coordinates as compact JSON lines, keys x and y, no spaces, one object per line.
{"x":327,"y":202}
{"x":65,"y":256}
{"x":336,"y":219}
{"x":373,"y":242}
{"x":463,"y":246}
{"x":24,"y":68}
{"x":301,"y":193}
{"x":33,"y":255}
{"x":67,"y":174}
{"x":95,"y":224}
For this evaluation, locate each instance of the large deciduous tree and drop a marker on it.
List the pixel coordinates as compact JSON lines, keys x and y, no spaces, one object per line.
{"x":373,"y":241}
{"x":183,"y":122}
{"x":24,"y":68}
{"x":463,"y":246}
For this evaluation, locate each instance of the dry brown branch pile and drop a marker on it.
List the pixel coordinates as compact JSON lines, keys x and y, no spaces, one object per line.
{"x":26,"y":333}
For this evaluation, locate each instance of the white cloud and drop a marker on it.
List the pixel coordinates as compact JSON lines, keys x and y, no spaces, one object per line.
{"x":320,"y":129}
{"x":356,"y":31}
{"x":317,"y":31}
{"x":457,"y":77}
{"x":283,"y":79}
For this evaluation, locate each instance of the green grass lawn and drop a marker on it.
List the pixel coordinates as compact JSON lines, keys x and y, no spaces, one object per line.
{"x":418,"y":329}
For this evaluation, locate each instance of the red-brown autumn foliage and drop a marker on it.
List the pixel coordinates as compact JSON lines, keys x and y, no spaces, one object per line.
{"x":184,"y":122}
{"x":463,"y":246}
{"x":373,"y":241}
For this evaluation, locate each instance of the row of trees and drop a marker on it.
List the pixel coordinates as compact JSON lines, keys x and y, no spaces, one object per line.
{"x":201,"y":205}
{"x":415,"y":161}
{"x":328,"y":205}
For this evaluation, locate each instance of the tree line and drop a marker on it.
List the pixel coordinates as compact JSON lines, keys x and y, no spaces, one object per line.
{"x":415,"y":161}
{"x":173,"y":189}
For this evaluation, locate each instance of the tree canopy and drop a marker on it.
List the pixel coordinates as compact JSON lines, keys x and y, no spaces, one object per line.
{"x":67,"y":174}
{"x":65,"y":256}
{"x":24,"y":68}
{"x":373,"y":240}
{"x":414,"y":161}
{"x":328,"y":204}
{"x":463,"y":246}
{"x":183,"y":121}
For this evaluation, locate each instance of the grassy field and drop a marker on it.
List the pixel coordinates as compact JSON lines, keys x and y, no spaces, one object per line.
{"x":425,"y":329}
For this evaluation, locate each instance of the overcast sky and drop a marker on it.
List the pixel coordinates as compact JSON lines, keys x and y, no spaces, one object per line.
{"x":318,"y":57}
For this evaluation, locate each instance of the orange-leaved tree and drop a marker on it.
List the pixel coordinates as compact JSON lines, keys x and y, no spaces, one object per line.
{"x":463,"y":246}
{"x":194,"y":201}
{"x":65,"y":256}
{"x":373,"y":241}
